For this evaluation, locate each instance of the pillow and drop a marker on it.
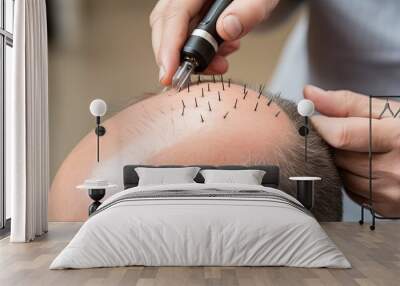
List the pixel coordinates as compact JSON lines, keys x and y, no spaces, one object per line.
{"x":163,"y":176}
{"x":248,"y":177}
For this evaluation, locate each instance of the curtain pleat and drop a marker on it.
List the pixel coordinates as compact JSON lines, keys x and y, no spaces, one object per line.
{"x":30,"y":159}
{"x":15,"y":130}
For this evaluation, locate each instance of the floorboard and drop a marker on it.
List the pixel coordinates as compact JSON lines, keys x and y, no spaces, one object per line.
{"x":375,"y":257}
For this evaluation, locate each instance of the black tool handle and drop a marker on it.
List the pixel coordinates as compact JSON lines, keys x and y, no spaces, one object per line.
{"x":202,"y":46}
{"x":209,"y":22}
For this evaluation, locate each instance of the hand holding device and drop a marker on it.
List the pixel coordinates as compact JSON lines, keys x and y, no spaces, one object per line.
{"x":172,"y":20}
{"x":201,"y":46}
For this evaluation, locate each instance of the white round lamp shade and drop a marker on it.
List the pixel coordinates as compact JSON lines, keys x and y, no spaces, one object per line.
{"x":98,"y":107}
{"x":305,"y":107}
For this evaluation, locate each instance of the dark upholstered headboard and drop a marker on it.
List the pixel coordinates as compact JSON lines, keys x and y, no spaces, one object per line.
{"x":271,"y":177}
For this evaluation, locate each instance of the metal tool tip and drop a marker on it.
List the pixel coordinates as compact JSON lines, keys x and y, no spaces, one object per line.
{"x":182,"y":75}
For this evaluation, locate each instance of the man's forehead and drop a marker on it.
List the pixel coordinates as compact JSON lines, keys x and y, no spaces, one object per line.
{"x":234,"y":116}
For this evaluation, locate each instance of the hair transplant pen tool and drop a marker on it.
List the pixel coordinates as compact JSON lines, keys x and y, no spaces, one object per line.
{"x":201,"y":46}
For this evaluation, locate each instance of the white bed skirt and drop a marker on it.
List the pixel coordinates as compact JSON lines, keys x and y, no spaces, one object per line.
{"x":201,"y":232}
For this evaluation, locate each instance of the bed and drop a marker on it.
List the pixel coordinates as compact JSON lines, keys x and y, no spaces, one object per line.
{"x":201,"y":224}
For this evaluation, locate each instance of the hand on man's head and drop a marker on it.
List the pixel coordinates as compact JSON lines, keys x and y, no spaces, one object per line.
{"x":344,"y":124}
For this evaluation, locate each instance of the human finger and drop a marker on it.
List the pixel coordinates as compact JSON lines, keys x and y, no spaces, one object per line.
{"x":358,"y":185}
{"x":218,"y":65}
{"x":155,"y":21}
{"x":353,"y":133}
{"x":170,"y":35}
{"x":344,"y":103}
{"x":358,"y":163}
{"x":228,"y":47}
{"x":241,"y":16}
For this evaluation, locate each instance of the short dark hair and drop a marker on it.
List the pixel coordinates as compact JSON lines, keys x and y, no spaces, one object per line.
{"x":328,"y":194}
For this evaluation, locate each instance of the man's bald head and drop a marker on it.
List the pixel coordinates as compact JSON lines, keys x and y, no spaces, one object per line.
{"x":208,"y":123}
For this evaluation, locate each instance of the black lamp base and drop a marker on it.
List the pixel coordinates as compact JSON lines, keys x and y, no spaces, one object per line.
{"x":305,"y":193}
{"x":96,"y":195}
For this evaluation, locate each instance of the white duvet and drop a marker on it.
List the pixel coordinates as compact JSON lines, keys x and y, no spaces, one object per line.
{"x":200,"y":231}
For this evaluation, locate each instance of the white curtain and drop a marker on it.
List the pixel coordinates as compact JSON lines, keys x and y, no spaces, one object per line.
{"x":27,"y":143}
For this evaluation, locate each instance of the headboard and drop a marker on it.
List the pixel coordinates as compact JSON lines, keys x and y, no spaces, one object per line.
{"x":270,"y":179}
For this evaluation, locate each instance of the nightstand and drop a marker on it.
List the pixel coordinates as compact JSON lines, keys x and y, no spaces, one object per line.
{"x":305,"y":190}
{"x":96,"y":190}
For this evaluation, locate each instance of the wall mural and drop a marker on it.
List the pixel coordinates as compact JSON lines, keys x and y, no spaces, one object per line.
{"x":212,"y":121}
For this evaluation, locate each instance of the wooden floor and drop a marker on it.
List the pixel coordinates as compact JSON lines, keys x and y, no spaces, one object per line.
{"x":375,"y":257}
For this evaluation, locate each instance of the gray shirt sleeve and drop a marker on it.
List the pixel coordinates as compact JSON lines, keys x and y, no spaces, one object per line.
{"x":344,"y":45}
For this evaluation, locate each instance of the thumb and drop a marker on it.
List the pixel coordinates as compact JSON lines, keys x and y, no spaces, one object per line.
{"x":241,"y":16}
